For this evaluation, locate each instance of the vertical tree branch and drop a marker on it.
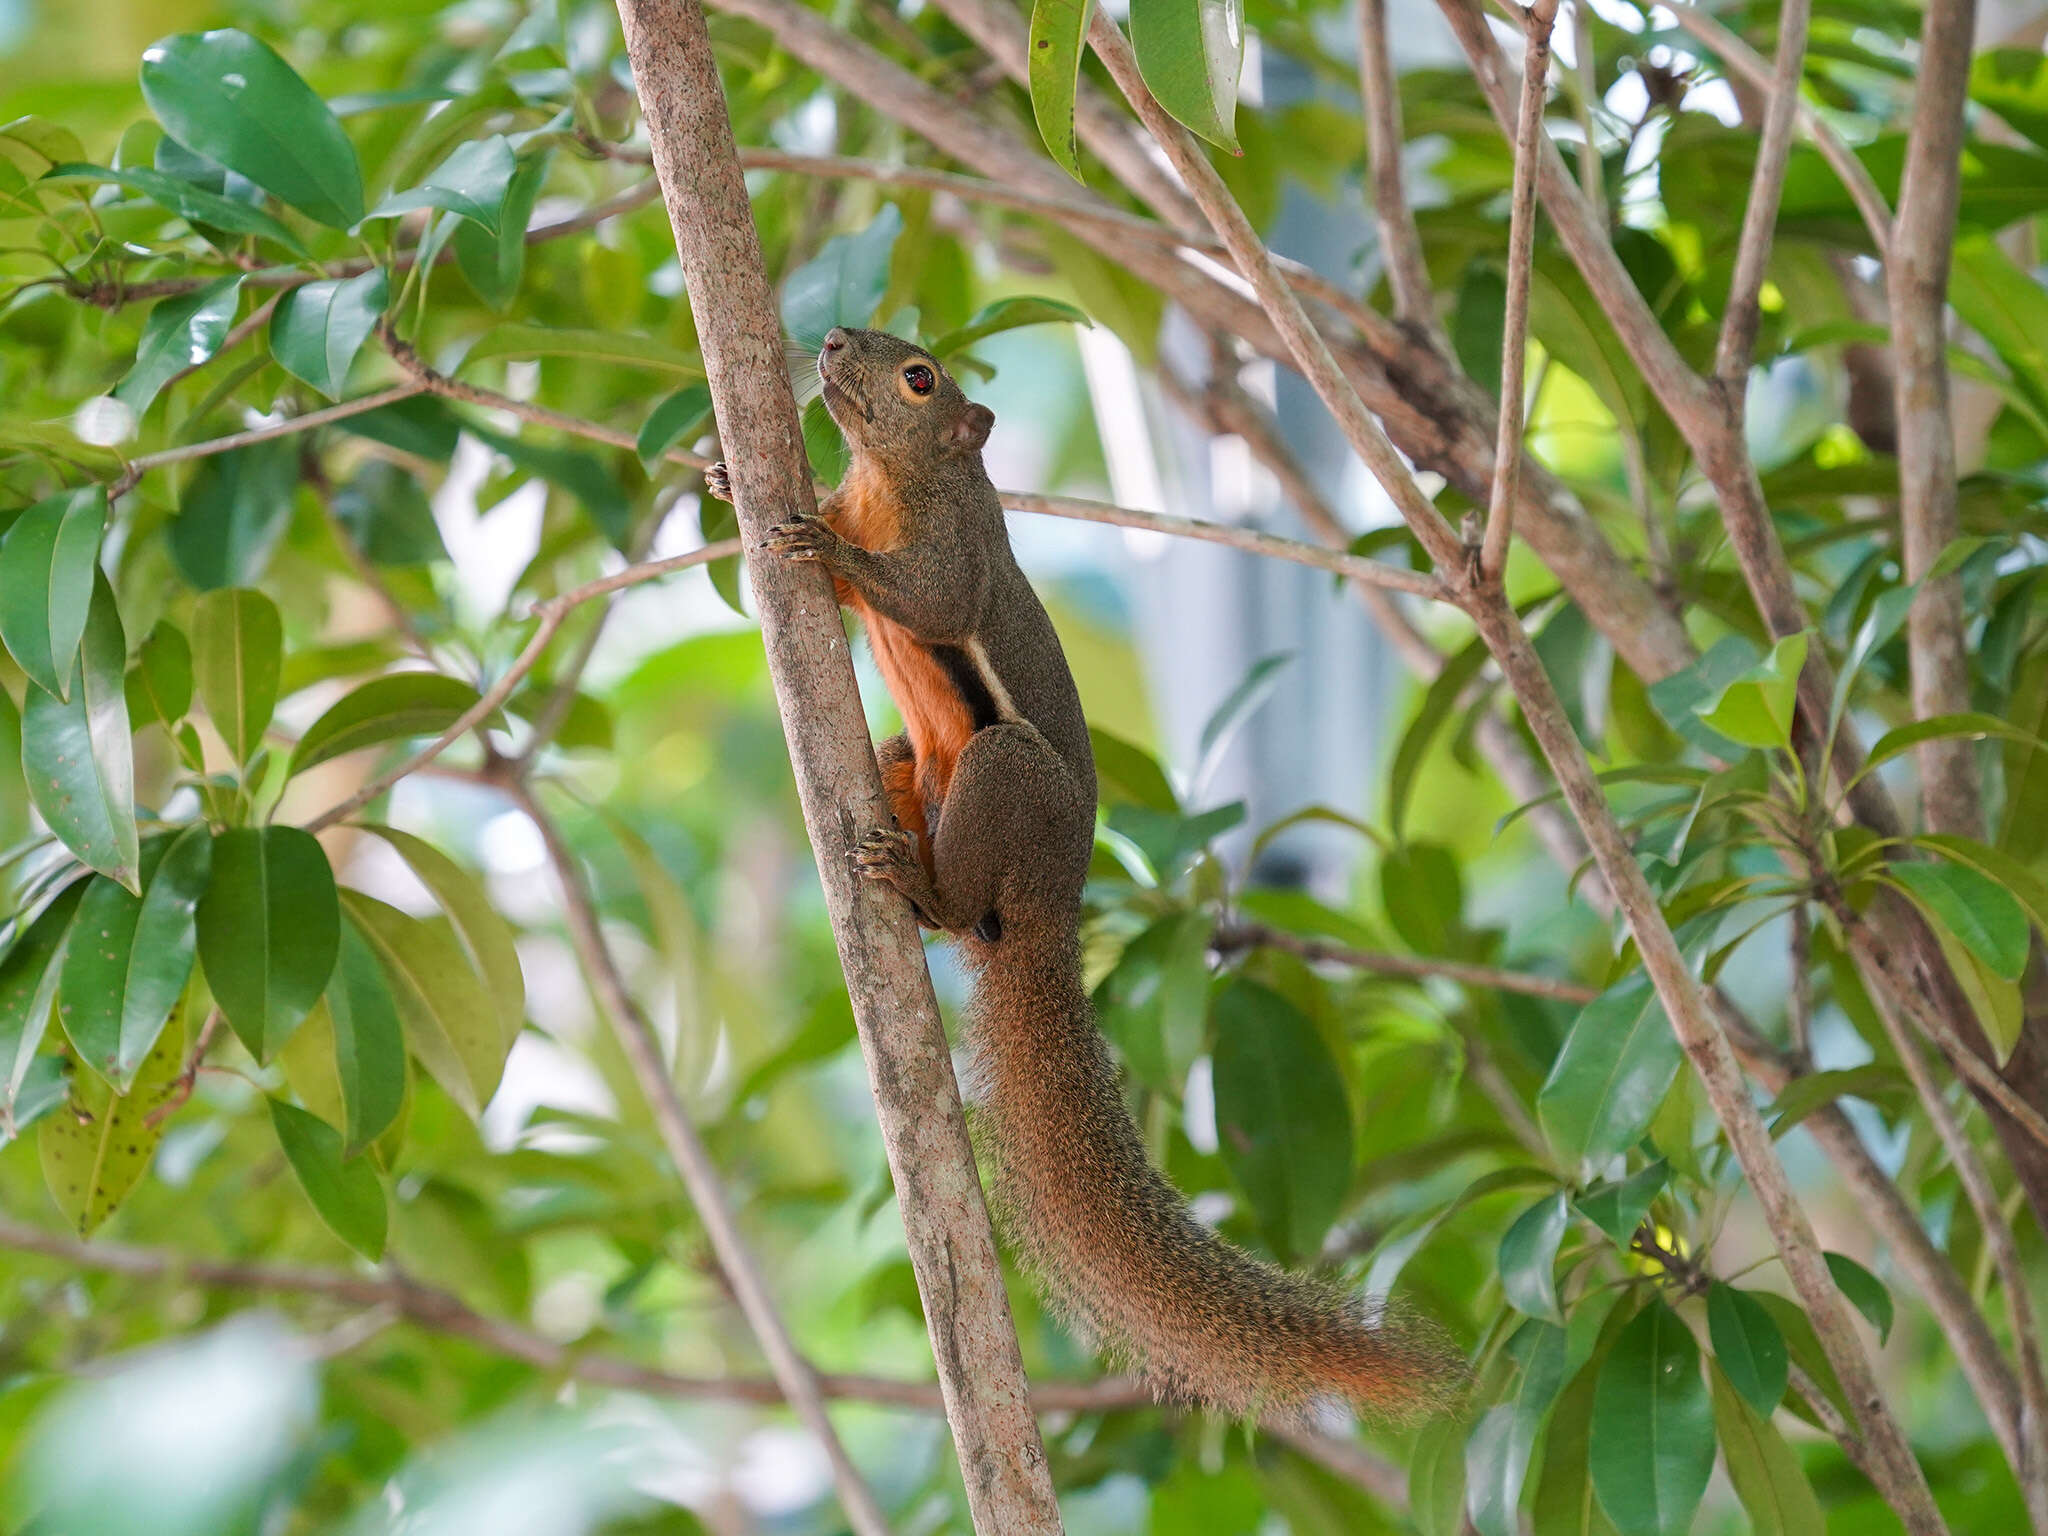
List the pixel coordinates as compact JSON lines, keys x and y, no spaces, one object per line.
{"x":952,"y":1250}
{"x":1759,"y":221}
{"x":1916,"y":284}
{"x":1514,"y":337}
{"x":1592,"y":173}
{"x":1400,"y":243}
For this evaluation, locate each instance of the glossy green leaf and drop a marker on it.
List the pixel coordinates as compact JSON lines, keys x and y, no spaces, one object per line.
{"x":29,"y":974}
{"x":1438,"y":700}
{"x":1748,"y":1346}
{"x":237,"y":655}
{"x":1981,"y":913}
{"x":233,"y":514}
{"x":45,"y":1085}
{"x":421,"y":426}
{"x":385,"y":512}
{"x":347,"y":1193}
{"x":234,"y":100}
{"x":450,"y":1023}
{"x":495,"y":261}
{"x":78,"y":755}
{"x":1873,"y":1082}
{"x":1652,"y":1444}
{"x":269,"y":930}
{"x":182,"y":332}
{"x":844,"y":282}
{"x":1997,"y":1002}
{"x":1229,"y":717}
{"x":485,"y":936}
{"x":1756,"y":709}
{"x":1766,"y":1472}
{"x":1058,"y":31}
{"x":194,"y":204}
{"x":1528,"y":1258}
{"x":1191,"y":55}
{"x":1497,"y":1454}
{"x":679,"y":418}
{"x":1282,"y":1119}
{"x":1009,"y":314}
{"x":2027,"y":888}
{"x":390,"y":708}
{"x":96,"y":1149}
{"x":1618,"y":1207}
{"x":581,"y":474}
{"x":1565,"y":1504}
{"x":1130,"y":774}
{"x":1975,"y":727}
{"x":2013,"y":82}
{"x":318,"y":328}
{"x":1436,"y":1479}
{"x":159,"y":685}
{"x":1612,"y":1074}
{"x":129,"y":957}
{"x":2003,"y":303}
{"x":472,"y":183}
{"x":47,"y":563}
{"x":1865,"y":1291}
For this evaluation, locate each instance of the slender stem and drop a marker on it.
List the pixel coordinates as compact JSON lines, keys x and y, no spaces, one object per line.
{"x":1400,"y":242}
{"x":1514,"y":343}
{"x":1592,"y":173}
{"x":1240,"y":936}
{"x":141,"y":465}
{"x":1759,"y":221}
{"x":636,"y":1037}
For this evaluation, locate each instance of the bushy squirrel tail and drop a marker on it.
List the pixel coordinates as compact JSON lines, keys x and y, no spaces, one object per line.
{"x":1120,"y":1254}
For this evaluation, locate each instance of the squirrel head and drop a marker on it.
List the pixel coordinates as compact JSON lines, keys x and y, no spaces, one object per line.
{"x":896,"y":403}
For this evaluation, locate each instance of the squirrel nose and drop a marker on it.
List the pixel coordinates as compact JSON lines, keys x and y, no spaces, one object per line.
{"x":835,"y":339}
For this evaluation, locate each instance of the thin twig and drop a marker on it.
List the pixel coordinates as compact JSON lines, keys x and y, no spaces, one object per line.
{"x":693,"y":1161}
{"x":1514,"y":346}
{"x":141,"y":465}
{"x":1233,"y":937}
{"x":1759,"y":222}
{"x":1399,"y":241}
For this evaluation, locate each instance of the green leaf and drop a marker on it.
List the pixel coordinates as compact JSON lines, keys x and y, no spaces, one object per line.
{"x":29,"y":974}
{"x":1873,"y":1081}
{"x":386,"y":514}
{"x":1766,"y":1471}
{"x":47,"y":562}
{"x":485,"y":936}
{"x":844,"y":282}
{"x":129,"y":957}
{"x":194,"y":204}
{"x":97,"y":1149}
{"x":1756,"y":709}
{"x":348,"y":1194}
{"x":1436,"y":1479}
{"x":615,"y":347}
{"x":159,"y":685}
{"x":2013,"y":82}
{"x":1528,"y":1258}
{"x":680,"y":417}
{"x":1938,"y":727}
{"x":1619,"y":1206}
{"x":45,"y":1085}
{"x":391,"y":708}
{"x":1437,"y":703}
{"x":1238,"y":706}
{"x":496,"y":263}
{"x":1565,"y":1504}
{"x":1611,"y":1076}
{"x":182,"y":332}
{"x":421,"y":426}
{"x":1497,"y":1455}
{"x":1981,"y":913}
{"x":2026,"y":887}
{"x":581,"y":474}
{"x":2002,"y":302}
{"x":1282,"y":1119}
{"x":233,"y":513}
{"x":1477,"y":321}
{"x":1866,"y":1293}
{"x":1652,"y":1444}
{"x":78,"y":755}
{"x":471,"y":183}
{"x":1748,"y":1346}
{"x":1191,"y":55}
{"x":318,"y":328}
{"x":237,"y":657}
{"x":232,"y":99}
{"x":1008,"y":315}
{"x":1129,"y":774}
{"x":450,"y":1023}
{"x":269,"y":929}
{"x":1058,"y":30}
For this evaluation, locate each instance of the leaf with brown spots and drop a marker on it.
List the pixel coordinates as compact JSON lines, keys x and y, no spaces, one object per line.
{"x":97,"y":1147}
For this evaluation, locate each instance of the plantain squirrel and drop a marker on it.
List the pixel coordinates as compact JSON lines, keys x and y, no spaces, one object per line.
{"x":993,"y":787}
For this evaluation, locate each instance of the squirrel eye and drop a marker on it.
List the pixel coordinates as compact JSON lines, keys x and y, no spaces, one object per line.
{"x":919,"y":378}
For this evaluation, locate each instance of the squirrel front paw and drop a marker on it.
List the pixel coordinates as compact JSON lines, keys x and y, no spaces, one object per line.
{"x":888,"y":854}
{"x":718,"y":481}
{"x":803,"y":538}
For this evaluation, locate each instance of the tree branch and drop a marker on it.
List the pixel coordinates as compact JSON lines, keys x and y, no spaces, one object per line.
{"x":910,"y":1069}
{"x":1233,"y":937}
{"x":137,"y":467}
{"x":1400,"y":242}
{"x":1760,"y":220}
{"x":1916,"y":286}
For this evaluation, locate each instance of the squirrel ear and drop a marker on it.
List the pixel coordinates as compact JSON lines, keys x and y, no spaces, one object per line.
{"x":971,"y":428}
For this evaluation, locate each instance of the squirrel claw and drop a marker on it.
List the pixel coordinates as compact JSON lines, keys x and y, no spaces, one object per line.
{"x":882,"y":851}
{"x":805,"y":538}
{"x":718,"y":481}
